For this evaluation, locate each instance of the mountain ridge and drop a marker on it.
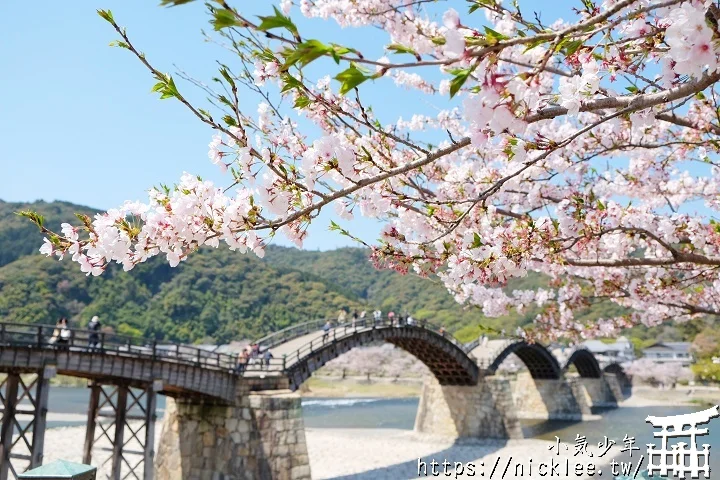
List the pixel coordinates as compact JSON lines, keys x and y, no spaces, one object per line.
{"x":218,"y":296}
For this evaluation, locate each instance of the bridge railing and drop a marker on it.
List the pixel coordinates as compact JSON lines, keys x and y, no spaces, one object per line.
{"x":470,"y":346}
{"x":335,"y":334}
{"x":305,"y":328}
{"x":290,"y":333}
{"x":81,"y":340}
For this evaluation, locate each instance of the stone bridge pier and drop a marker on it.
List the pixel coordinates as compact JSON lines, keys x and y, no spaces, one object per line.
{"x":494,"y":407}
{"x":548,"y":398}
{"x":618,"y":390}
{"x":485,"y":410}
{"x":594,"y":392}
{"x":259,"y":436}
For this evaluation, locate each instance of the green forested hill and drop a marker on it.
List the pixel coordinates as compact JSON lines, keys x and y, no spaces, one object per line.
{"x":218,"y":295}
{"x":19,"y":237}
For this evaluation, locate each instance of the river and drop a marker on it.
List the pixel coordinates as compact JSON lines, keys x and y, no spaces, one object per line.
{"x":68,"y":406}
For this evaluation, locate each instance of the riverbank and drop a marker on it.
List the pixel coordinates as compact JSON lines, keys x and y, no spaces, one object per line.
{"x":644,"y":396}
{"x":386,"y":454}
{"x":365,"y":454}
{"x":360,"y":387}
{"x":378,"y":387}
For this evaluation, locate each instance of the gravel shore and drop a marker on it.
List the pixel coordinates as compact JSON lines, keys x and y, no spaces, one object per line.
{"x":378,"y":454}
{"x":375,"y":454}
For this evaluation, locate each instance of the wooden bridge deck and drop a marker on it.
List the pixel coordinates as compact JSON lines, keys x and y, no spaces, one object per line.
{"x":179,"y":379}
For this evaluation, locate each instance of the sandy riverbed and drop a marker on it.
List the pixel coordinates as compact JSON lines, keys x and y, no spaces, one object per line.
{"x":645,"y":396}
{"x":371,"y":454}
{"x":385,"y":454}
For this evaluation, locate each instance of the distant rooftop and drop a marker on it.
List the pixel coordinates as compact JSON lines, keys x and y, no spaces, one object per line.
{"x":683,"y":347}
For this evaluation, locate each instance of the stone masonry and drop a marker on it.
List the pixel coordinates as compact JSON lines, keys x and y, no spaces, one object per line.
{"x":597,"y":391}
{"x":260,"y":437}
{"x":614,"y":386}
{"x":546,"y":399}
{"x":485,"y":410}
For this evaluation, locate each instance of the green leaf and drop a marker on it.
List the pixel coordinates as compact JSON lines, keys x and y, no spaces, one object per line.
{"x":350,"y":78}
{"x":477,"y":241}
{"x":533,"y":44}
{"x":165,"y":87}
{"x":175,"y":3}
{"x":461,"y":76}
{"x":229,"y":121}
{"x":223,"y":19}
{"x":119,"y":44}
{"x":338,"y":50}
{"x":305,"y":52}
{"x":493,"y":36}
{"x":302,"y":102}
{"x":397,"y":48}
{"x":224,"y":100}
{"x":34,"y":217}
{"x":571,"y":46}
{"x":289,"y":83}
{"x":226,"y":75}
{"x":342,"y":50}
{"x":106,"y":15}
{"x":476,"y":4}
{"x":277,"y":21}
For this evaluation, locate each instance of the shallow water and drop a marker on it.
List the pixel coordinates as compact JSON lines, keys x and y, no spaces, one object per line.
{"x":399,"y":413}
{"x":614,"y":424}
{"x":68,"y":406}
{"x":360,"y":412}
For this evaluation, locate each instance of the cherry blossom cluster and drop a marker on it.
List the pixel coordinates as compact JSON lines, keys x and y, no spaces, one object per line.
{"x":583,"y":151}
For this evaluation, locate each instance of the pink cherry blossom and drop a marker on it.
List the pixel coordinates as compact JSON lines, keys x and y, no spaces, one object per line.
{"x":584,"y":151}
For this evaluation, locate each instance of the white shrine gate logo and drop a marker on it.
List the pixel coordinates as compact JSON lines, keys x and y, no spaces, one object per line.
{"x":681,"y":458}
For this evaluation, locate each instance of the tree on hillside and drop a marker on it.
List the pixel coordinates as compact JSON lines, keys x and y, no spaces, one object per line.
{"x":585,"y":150}
{"x":662,"y":374}
{"x":707,"y":343}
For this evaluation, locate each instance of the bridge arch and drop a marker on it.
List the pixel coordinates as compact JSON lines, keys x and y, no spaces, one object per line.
{"x":585,"y":362}
{"x":538,"y":360}
{"x":615,"y":369}
{"x":443,"y":356}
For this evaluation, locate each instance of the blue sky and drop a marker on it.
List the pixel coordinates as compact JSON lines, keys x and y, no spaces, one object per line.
{"x":80,"y":124}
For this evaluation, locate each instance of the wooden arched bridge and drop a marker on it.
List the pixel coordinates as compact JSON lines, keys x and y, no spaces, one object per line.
{"x":125,"y":374}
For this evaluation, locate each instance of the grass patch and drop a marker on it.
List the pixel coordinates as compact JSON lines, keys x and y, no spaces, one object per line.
{"x":320,"y":387}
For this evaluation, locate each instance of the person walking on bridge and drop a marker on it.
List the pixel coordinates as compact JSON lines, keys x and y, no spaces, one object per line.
{"x":267,"y":356}
{"x":61,"y":335}
{"x":326,"y":331}
{"x":242,"y":361}
{"x":94,"y":336}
